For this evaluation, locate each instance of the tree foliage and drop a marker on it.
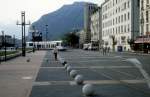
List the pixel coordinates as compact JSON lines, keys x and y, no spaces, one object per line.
{"x":71,"y":39}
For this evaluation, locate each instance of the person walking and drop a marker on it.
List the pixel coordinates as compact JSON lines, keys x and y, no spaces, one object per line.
{"x":55,"y":53}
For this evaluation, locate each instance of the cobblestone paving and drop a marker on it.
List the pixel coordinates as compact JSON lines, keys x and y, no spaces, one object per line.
{"x":111,"y":75}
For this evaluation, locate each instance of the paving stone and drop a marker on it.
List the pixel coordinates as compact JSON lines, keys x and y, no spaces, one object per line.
{"x":47,"y":74}
{"x":56,"y":91}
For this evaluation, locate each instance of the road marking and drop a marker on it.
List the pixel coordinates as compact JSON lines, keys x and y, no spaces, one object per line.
{"x":52,"y":67}
{"x":41,"y":83}
{"x":138,"y":64}
{"x":118,"y":56}
{"x":98,"y":82}
{"x":92,"y":67}
{"x":116,"y":60}
{"x":27,"y":77}
{"x":116,"y":82}
{"x":99,"y":67}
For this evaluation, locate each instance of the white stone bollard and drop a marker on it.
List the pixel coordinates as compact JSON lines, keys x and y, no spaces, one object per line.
{"x":66,"y":65}
{"x":69,"y":68}
{"x":88,"y":90}
{"x":73,"y":73}
{"x":79,"y":79}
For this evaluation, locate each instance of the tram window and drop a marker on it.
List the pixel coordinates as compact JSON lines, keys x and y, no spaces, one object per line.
{"x":30,"y":44}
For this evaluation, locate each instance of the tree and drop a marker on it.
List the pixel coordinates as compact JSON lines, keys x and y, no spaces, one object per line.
{"x":131,"y":43}
{"x":114,"y":42}
{"x":71,"y":39}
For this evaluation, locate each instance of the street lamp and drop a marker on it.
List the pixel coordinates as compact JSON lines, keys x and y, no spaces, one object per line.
{"x":33,"y":38}
{"x":4,"y":43}
{"x":46,"y":31}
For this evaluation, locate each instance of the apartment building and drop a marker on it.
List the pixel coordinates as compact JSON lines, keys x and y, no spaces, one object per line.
{"x":145,"y":17}
{"x":120,"y":23}
{"x":81,"y":38}
{"x":96,"y":30}
{"x":89,"y":9}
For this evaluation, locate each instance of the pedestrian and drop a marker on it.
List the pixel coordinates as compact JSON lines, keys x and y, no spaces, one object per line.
{"x":108,"y":49}
{"x":103,"y":50}
{"x":55,"y":53}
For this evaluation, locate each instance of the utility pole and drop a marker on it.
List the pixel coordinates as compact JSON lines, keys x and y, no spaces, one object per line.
{"x":4,"y":43}
{"x":23,"y":24}
{"x":5,"y":46}
{"x":46,"y":31}
{"x":142,"y":23}
{"x":14,"y":40}
{"x":33,"y":38}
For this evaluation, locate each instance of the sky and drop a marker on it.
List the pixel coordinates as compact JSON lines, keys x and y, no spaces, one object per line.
{"x":10,"y":12}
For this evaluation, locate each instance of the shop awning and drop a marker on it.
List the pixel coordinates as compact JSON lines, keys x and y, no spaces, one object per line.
{"x":142,"y":39}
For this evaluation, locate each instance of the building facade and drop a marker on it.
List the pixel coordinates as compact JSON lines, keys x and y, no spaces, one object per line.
{"x":96,"y":28}
{"x":89,"y":9}
{"x":145,"y":17}
{"x":120,"y":23}
{"x":81,"y":38}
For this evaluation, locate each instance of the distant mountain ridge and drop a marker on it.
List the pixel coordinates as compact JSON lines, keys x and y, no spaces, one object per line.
{"x":64,"y":20}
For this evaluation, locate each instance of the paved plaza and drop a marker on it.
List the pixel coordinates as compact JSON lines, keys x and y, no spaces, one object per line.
{"x":113,"y":75}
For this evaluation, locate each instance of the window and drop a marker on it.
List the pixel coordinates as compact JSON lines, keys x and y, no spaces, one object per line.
{"x":125,"y":28}
{"x":147,"y":16}
{"x":30,"y":44}
{"x":124,"y":17}
{"x":125,"y":5}
{"x":128,"y":4}
{"x":128,"y":16}
{"x":147,"y":1}
{"x":147,"y":27}
{"x":121,"y":18}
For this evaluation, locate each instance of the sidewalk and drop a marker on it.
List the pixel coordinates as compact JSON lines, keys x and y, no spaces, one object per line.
{"x":17,"y":75}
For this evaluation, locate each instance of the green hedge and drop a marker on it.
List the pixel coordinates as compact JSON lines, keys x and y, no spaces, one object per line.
{"x":2,"y":53}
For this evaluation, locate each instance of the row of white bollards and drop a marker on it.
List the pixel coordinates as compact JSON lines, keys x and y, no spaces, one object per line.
{"x":87,"y":89}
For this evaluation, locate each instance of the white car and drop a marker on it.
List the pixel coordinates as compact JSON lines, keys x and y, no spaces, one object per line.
{"x":61,"y":48}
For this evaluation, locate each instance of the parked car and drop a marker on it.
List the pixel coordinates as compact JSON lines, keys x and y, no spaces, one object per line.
{"x":61,"y":48}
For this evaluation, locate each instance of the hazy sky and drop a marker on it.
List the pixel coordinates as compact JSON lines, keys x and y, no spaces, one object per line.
{"x":10,"y":11}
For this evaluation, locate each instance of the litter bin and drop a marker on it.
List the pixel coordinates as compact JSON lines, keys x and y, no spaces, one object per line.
{"x":119,"y":48}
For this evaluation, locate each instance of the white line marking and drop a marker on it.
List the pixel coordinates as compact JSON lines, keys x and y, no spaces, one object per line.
{"x":27,"y":77}
{"x":115,"y":81}
{"x":138,"y":64}
{"x":100,"y":82}
{"x":92,"y":67}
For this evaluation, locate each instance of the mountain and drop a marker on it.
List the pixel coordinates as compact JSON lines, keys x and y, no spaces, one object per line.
{"x":62,"y":21}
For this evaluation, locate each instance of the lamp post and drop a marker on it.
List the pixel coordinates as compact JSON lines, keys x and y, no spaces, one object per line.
{"x":39,"y":39}
{"x":142,"y":23}
{"x":23,"y":24}
{"x":46,"y":31}
{"x":33,"y":38}
{"x":14,"y":41}
{"x":4,"y":44}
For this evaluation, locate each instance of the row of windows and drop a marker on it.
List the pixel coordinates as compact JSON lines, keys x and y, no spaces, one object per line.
{"x":120,"y":19}
{"x":115,"y":11}
{"x":118,"y":9}
{"x":117,"y":30}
